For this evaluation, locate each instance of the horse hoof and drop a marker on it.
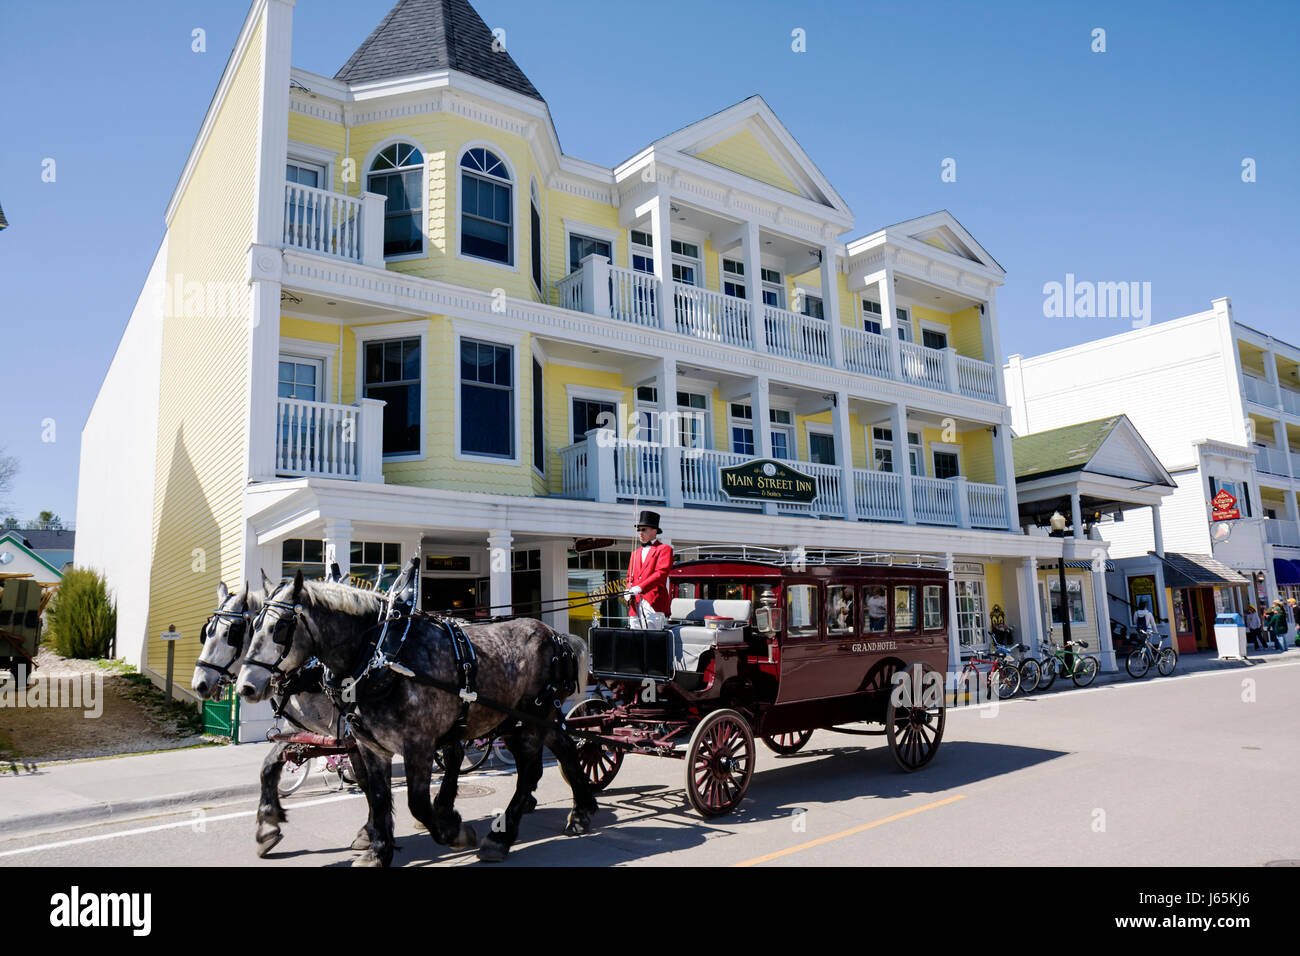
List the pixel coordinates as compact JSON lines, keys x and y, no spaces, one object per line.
{"x":530,"y":804}
{"x":493,"y":852}
{"x":465,"y":839}
{"x":362,"y":842}
{"x":369,"y":858}
{"x":578,"y":824}
{"x":266,"y":842}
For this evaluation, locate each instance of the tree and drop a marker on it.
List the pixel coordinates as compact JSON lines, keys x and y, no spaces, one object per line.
{"x":8,"y":470}
{"x":10,"y":524}
{"x":49,"y":521}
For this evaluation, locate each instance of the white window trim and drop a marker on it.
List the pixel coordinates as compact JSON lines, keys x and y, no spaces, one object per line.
{"x":462,"y":329}
{"x":782,"y":295}
{"x":677,"y":258}
{"x":817,"y":428}
{"x":951,"y":449}
{"x":613,"y":396}
{"x":316,"y":156}
{"x":1053,"y":581}
{"x":936,"y":327}
{"x":418,"y":328}
{"x":324,"y":352}
{"x":919,"y":448}
{"x":724,"y":276}
{"x":803,"y":290}
{"x":424,"y":190}
{"x":791,"y":430}
{"x":593,"y":232}
{"x":515,"y":190}
{"x":697,"y":388}
{"x":732,"y":421}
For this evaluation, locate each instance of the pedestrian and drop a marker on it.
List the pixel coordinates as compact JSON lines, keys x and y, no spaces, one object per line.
{"x":1253,"y":626}
{"x":1294,"y":613}
{"x":1276,"y":625}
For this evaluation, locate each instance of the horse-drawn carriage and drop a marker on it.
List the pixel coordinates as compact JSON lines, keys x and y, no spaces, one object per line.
{"x":770,"y":644}
{"x":22,"y":602}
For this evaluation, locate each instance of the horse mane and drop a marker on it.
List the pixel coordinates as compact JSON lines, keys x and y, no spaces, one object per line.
{"x":343,"y":598}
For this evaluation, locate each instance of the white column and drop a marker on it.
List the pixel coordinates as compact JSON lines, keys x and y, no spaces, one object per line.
{"x":1004,"y":472}
{"x":263,"y":358}
{"x":1102,"y":604}
{"x":1031,"y":609}
{"x":1076,"y":515}
{"x":889,"y":324}
{"x":1292,"y":507}
{"x":500,"y":556}
{"x":1271,"y":376}
{"x":1283,"y":446}
{"x":954,"y":641}
{"x":902,"y":464}
{"x":990,"y":336}
{"x":1157,"y":531}
{"x":369,"y":440}
{"x":670,"y":433}
{"x":751,"y":248}
{"x":661,"y":232}
{"x":1162,"y":610}
{"x":555,"y":583}
{"x":338,"y":545}
{"x":761,"y":408}
{"x":844,"y":448}
{"x":601,"y":483}
{"x":831,"y":302}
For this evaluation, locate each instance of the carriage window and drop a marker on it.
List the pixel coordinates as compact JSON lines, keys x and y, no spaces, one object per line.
{"x":905,"y":608}
{"x":839,"y":610}
{"x":801,"y":610}
{"x":933,"y":608}
{"x":686,"y":589}
{"x":877,"y":608}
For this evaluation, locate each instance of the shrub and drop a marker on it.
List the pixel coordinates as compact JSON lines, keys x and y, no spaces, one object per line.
{"x":82,"y":619}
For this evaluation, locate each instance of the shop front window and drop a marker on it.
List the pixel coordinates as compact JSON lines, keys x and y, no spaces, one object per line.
{"x":1074,"y":588}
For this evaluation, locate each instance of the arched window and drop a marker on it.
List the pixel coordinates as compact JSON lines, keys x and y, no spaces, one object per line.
{"x":397,"y":173}
{"x":487,"y":210}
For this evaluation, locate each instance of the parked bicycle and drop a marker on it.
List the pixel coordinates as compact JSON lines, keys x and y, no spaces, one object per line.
{"x":336,"y":769}
{"x":1003,"y":675}
{"x":1138,"y":663}
{"x":1067,"y":662}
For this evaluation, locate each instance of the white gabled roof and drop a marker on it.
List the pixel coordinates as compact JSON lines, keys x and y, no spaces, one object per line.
{"x":939,"y":227}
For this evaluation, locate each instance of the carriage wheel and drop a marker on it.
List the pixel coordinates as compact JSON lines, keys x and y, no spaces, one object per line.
{"x":915,"y":731}
{"x":786,"y":744}
{"x":598,"y":761}
{"x":719,"y":763}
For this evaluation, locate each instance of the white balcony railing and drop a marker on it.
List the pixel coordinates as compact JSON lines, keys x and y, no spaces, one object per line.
{"x":1291,"y":401}
{"x":639,"y":470}
{"x":976,"y":378}
{"x":796,"y":336}
{"x":923,"y":366}
{"x":934,"y":501}
{"x":1282,"y":532}
{"x":573,"y":470}
{"x":878,"y":495}
{"x":828,"y":479}
{"x":987,"y":504}
{"x":334,"y":224}
{"x":1272,"y":461}
{"x":701,"y":481}
{"x":711,"y":316}
{"x":866,"y":352}
{"x":1258,"y":391}
{"x":323,"y":440}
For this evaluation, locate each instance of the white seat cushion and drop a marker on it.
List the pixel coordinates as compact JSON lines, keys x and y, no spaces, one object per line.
{"x":697,"y":609}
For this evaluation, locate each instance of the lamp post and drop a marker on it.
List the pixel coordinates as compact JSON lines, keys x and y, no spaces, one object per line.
{"x":1058,"y":528}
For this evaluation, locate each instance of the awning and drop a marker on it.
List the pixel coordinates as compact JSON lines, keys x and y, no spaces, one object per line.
{"x":1198,"y":571}
{"x":1076,"y":564}
{"x":1287,"y":572}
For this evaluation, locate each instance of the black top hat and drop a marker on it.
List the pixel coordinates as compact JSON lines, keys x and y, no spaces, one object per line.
{"x":649,"y":519}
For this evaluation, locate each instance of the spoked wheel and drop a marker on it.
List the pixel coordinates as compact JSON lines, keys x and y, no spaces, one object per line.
{"x":476,"y":753}
{"x":1030,"y":672}
{"x":598,"y":761}
{"x":786,"y":744}
{"x":1085,"y":671}
{"x":1168,"y":661}
{"x":1004,"y":681}
{"x":915,"y":728}
{"x":1137,"y":664}
{"x":1047,"y":673}
{"x":719,"y":763}
{"x":293,"y":775}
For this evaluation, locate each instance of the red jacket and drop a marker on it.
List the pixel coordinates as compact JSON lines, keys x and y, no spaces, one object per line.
{"x":652,"y":576}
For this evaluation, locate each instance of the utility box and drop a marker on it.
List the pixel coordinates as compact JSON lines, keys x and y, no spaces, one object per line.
{"x":1230,"y":636}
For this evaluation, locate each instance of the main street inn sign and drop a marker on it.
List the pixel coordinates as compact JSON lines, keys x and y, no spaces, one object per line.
{"x":767,"y":480}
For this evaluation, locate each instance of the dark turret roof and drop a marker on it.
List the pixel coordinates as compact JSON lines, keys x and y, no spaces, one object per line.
{"x":424,"y":36}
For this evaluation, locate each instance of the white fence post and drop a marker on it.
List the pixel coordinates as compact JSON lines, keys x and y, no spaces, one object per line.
{"x":951,"y":382}
{"x":961,"y":499}
{"x":595,"y":285}
{"x":600,"y":466}
{"x":372,"y":226}
{"x":370,"y":443}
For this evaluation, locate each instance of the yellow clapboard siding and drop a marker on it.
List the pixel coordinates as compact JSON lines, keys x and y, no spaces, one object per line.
{"x":203,"y":383}
{"x":744,"y":154}
{"x":558,"y":413}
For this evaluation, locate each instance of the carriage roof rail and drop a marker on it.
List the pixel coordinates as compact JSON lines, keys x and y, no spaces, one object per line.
{"x":790,"y":557}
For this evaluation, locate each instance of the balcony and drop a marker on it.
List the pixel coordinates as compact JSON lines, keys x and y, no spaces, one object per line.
{"x":1291,"y":402}
{"x":610,"y":471}
{"x":334,"y":224}
{"x":1272,"y":461}
{"x":1257,"y":390}
{"x":598,"y":288}
{"x":1281,"y":532}
{"x":323,"y":440}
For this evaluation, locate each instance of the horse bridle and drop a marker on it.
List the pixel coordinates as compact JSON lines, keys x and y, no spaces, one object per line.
{"x":238,"y":626}
{"x":281,"y":634}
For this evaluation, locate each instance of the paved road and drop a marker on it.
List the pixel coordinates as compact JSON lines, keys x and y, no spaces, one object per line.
{"x":1198,"y":769}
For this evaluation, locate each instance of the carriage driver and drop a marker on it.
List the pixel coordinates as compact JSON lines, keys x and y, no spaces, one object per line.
{"x":647,"y":572}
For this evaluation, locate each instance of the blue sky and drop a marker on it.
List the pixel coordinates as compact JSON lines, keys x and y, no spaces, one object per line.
{"x":1115,"y":166}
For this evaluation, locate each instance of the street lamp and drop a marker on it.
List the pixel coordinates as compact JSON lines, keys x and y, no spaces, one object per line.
{"x":1058,"y":528}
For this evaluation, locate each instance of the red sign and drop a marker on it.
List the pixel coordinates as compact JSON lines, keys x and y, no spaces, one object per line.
{"x":1225,"y":507}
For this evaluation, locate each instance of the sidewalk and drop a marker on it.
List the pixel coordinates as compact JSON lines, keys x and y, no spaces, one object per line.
{"x":113,"y":789}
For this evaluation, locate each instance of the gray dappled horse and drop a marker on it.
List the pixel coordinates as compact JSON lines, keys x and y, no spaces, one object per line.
{"x":225,"y":641}
{"x":516,"y":659}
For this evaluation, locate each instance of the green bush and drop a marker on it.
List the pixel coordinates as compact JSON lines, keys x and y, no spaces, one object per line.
{"x":81,"y":619}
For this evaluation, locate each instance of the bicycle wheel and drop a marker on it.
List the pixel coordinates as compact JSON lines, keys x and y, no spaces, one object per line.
{"x":1004,"y":681}
{"x":293,"y":775}
{"x":1168,"y":661}
{"x":503,"y":753}
{"x":1030,"y":672}
{"x":1085,"y":670}
{"x":1137,"y":664}
{"x":1047,"y":674}
{"x":476,"y":754}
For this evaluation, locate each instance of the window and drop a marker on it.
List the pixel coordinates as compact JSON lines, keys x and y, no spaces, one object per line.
{"x":882,"y":450}
{"x":970,"y":614}
{"x":821,"y":448}
{"x":487,"y":215}
{"x":801,"y":610}
{"x":693,"y":419}
{"x":812,"y":306}
{"x":582,"y":246}
{"x":647,"y":413}
{"x":686,"y":263}
{"x":1238,"y":489}
{"x":373,"y":564}
{"x":782,"y":434}
{"x":487,"y":407}
{"x":393,"y":375}
{"x":904,"y":608}
{"x":642,"y":252}
{"x":1074,"y":588}
{"x":840,"y":615}
{"x":304,"y":174}
{"x":742,"y":429}
{"x":773,"y":288}
{"x":587,"y":414}
{"x":733,"y":278}
{"x":934,"y":339}
{"x":904,"y":324}
{"x":871,"y":317}
{"x":300,"y":378}
{"x":535,"y":237}
{"x":932,"y":607}
{"x":539,"y":439}
{"x":876,"y":609}
{"x":397,"y":174}
{"x":946,"y":463}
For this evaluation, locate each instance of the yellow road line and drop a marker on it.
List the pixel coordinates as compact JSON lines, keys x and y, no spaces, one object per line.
{"x":844,"y":833}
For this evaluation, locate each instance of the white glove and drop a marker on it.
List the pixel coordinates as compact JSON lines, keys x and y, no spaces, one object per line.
{"x":636,"y":589}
